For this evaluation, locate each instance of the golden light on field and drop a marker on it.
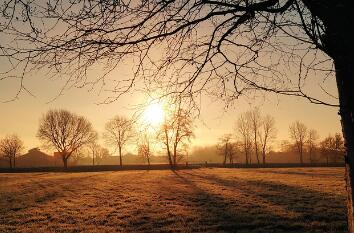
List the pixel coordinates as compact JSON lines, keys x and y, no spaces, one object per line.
{"x":154,"y":114}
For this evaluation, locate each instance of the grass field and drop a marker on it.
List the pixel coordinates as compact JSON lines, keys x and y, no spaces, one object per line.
{"x":200,"y":200}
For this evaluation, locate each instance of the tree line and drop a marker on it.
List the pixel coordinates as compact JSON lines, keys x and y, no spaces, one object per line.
{"x":69,"y":134}
{"x":253,"y":138}
{"x":254,"y":135}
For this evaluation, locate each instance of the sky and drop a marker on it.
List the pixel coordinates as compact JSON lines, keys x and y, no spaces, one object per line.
{"x":21,"y":116}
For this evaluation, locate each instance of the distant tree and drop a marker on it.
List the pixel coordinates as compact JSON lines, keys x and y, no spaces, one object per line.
{"x":10,"y":147}
{"x":144,"y":151}
{"x":118,"y":132}
{"x":332,"y":148}
{"x":225,"y":147}
{"x":102,"y":154}
{"x":244,"y":132}
{"x":267,"y":133}
{"x":98,"y":153}
{"x":298,"y":133}
{"x":66,"y":132}
{"x":176,"y":131}
{"x":312,"y":143}
{"x":233,"y":151}
{"x":254,"y":117}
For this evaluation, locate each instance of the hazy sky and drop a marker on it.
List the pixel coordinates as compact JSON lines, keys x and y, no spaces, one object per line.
{"x":22,"y":116}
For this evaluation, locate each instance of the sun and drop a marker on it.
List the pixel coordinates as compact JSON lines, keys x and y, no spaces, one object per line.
{"x":154,"y":114}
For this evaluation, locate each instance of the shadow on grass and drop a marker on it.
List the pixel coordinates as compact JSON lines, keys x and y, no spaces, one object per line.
{"x":309,"y":210}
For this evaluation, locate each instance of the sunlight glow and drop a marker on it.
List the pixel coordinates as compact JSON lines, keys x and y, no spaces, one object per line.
{"x":154,"y":114}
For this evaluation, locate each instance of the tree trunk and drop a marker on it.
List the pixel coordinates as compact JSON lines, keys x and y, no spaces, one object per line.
{"x":264,"y":157}
{"x":65,"y":161}
{"x":174,"y":155}
{"x":14,"y":161}
{"x":120,"y":156}
{"x":301,"y":159}
{"x":345,"y":84}
{"x":10,"y":162}
{"x":93,"y":159}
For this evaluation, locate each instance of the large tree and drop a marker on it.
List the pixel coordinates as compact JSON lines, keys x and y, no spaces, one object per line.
{"x":10,"y":147}
{"x":118,"y":132}
{"x":66,"y":132}
{"x":230,"y":46}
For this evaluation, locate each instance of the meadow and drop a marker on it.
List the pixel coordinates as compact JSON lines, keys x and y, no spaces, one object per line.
{"x":198,"y":200}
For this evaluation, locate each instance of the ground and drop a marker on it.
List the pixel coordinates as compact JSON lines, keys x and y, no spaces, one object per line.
{"x":199,"y":200}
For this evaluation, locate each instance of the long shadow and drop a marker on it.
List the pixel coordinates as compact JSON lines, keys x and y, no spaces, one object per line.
{"x":217,"y":214}
{"x":300,"y":173}
{"x":316,"y":211}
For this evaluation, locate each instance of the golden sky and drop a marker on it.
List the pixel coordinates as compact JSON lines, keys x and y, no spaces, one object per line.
{"x":22,"y":116}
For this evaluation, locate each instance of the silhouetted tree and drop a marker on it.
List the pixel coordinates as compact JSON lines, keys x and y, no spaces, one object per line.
{"x":208,"y":44}
{"x":10,"y":147}
{"x":267,"y":134}
{"x":66,"y":132}
{"x":176,"y":130}
{"x":312,"y":138}
{"x":225,"y":147}
{"x":101,"y":154}
{"x":298,"y":133}
{"x":244,"y":131}
{"x":118,"y":132}
{"x":254,"y":117}
{"x":332,"y":148}
{"x":144,"y":151}
{"x":98,"y":152}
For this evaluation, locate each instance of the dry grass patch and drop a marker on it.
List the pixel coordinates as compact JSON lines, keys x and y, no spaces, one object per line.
{"x":203,"y":200}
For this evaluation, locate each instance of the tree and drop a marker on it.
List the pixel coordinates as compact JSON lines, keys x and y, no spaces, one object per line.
{"x":332,"y":148}
{"x":311,"y":143}
{"x":244,"y":131}
{"x":118,"y":132}
{"x":225,"y":147}
{"x":144,"y":151}
{"x":66,"y":132}
{"x":176,"y":131}
{"x":98,"y":153}
{"x":101,"y":154}
{"x":234,"y":50}
{"x":10,"y":147}
{"x":254,"y":116}
{"x":267,"y":134}
{"x":298,"y":133}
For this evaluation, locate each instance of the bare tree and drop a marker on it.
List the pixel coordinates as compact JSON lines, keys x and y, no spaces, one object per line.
{"x":144,"y":151}
{"x":98,"y":153}
{"x":267,"y":134}
{"x":101,"y":154}
{"x":66,"y":132}
{"x":311,"y":143}
{"x":254,"y":117}
{"x":332,"y":148}
{"x":118,"y":132}
{"x":244,"y":47}
{"x":225,"y":147}
{"x":10,"y":147}
{"x":176,"y":131}
{"x":244,"y":131}
{"x":298,"y":133}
